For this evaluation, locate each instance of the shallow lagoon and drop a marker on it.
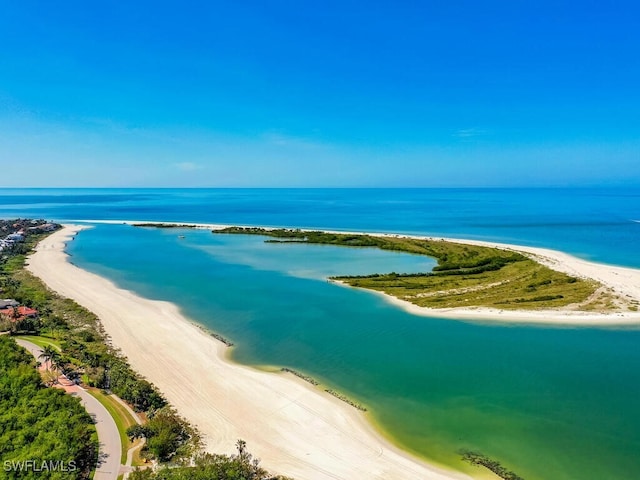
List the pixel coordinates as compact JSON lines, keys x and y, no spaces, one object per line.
{"x":549,"y":403}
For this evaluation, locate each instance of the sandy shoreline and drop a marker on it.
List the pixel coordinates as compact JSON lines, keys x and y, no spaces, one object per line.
{"x":295,"y":429}
{"x":623,"y":281}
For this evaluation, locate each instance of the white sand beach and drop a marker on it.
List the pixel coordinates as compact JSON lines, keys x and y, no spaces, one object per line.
{"x":294,"y":428}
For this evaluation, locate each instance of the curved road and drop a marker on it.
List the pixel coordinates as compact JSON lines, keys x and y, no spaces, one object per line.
{"x":108,"y":437}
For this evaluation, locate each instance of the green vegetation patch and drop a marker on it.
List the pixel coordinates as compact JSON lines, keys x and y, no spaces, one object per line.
{"x":465,"y":276}
{"x":41,"y":341}
{"x":240,"y":466}
{"x":40,"y":425}
{"x":167,"y":436}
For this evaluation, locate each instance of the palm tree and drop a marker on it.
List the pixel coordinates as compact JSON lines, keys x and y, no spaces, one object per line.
{"x":51,"y":355}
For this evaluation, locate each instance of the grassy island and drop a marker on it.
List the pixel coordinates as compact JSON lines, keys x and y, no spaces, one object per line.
{"x":466,"y":275}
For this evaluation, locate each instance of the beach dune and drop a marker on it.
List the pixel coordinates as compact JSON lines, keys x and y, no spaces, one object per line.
{"x":294,"y":428}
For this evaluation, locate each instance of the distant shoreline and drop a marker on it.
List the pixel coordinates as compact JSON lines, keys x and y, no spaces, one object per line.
{"x":623,"y":281}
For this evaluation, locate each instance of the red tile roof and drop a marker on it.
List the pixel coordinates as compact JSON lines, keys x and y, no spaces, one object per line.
{"x":22,"y":313}
{"x":27,"y":311}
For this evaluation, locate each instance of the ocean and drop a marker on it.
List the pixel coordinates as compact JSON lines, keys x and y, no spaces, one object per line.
{"x":546,"y":402}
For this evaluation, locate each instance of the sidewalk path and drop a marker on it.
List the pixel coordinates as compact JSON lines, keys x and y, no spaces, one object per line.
{"x":108,"y":437}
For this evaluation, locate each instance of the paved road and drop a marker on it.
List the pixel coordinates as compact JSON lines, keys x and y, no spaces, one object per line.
{"x":110,"y":445}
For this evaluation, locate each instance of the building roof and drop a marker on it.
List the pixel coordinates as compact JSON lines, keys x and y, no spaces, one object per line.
{"x":20,"y":313}
{"x":8,"y":302}
{"x":27,"y":311}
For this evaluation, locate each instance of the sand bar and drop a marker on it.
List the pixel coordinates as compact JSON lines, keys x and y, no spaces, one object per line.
{"x":295,"y":429}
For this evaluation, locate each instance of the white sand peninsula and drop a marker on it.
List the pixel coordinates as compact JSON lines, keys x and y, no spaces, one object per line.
{"x":294,"y":429}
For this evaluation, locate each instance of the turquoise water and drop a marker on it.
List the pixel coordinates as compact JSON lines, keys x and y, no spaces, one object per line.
{"x":549,"y":403}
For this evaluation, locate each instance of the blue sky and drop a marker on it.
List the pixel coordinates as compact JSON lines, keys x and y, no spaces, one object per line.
{"x":313,"y":94}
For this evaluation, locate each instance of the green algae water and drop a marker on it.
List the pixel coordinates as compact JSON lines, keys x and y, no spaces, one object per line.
{"x":547,"y":403}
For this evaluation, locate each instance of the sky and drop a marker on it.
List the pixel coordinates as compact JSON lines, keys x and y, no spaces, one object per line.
{"x":345,"y":93}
